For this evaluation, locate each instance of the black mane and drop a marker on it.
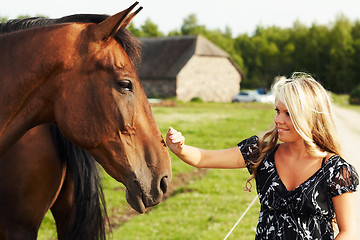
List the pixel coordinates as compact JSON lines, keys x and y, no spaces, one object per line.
{"x":90,"y":216}
{"x":128,"y":42}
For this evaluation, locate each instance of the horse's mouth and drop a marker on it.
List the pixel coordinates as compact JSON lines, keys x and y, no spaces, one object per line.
{"x":136,"y":202}
{"x":141,"y":196}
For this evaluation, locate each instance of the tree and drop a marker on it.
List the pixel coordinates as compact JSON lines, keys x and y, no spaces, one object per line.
{"x":3,"y":19}
{"x":190,"y":26}
{"x":134,"y":30}
{"x":150,"y":29}
{"x":341,"y":66}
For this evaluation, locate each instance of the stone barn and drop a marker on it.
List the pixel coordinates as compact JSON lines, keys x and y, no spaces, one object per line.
{"x":186,"y":67}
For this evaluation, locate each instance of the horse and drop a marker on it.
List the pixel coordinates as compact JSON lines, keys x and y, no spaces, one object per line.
{"x":88,"y":86}
{"x":43,"y":171}
{"x":74,"y":192}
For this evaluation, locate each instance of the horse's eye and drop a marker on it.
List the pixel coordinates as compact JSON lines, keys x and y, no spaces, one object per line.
{"x":125,"y":85}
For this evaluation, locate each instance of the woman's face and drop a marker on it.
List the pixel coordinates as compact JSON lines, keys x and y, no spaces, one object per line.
{"x":285,"y":127}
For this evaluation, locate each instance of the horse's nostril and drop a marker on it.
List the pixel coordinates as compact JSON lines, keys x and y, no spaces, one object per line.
{"x":164,"y":184}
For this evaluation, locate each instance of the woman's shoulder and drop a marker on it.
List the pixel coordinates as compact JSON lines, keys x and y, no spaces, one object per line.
{"x":250,"y":151}
{"x":335,"y":160}
{"x":335,"y":163}
{"x":249,"y":147}
{"x":253,"y":140}
{"x":343,"y":175}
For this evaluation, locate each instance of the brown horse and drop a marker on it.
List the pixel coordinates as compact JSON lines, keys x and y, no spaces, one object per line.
{"x":72,"y":188}
{"x":88,"y":86}
{"x":44,"y":170}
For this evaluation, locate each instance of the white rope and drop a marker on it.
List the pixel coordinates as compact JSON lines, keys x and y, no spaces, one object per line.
{"x":248,"y":208}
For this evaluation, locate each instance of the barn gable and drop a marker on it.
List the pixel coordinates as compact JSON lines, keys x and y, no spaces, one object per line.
{"x":163,"y":59}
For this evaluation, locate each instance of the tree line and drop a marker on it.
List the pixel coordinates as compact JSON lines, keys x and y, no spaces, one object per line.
{"x":331,"y":53}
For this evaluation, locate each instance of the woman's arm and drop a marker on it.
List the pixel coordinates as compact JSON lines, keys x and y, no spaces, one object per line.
{"x":345,"y":215}
{"x":200,"y":158}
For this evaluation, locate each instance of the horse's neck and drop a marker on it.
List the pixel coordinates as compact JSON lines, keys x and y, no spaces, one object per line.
{"x":21,"y":114}
{"x":24,"y":102}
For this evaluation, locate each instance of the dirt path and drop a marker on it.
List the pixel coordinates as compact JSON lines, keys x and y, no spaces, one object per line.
{"x":349,"y":133}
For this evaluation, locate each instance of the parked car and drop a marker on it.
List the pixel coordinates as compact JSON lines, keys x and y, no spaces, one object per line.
{"x":266,"y":98}
{"x":245,"y":96}
{"x":253,"y":96}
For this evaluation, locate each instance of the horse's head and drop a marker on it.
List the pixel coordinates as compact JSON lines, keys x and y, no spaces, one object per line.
{"x":101,"y":106}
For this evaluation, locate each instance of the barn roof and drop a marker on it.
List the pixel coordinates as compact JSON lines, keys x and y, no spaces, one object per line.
{"x":163,"y":58}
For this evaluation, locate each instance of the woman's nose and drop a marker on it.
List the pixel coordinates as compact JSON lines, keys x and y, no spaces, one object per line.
{"x":279,"y":119}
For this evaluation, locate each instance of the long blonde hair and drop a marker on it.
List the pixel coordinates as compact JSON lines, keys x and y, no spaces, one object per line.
{"x":310,"y":109}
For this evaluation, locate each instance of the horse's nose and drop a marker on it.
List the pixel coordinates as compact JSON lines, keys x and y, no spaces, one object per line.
{"x":164,"y":182}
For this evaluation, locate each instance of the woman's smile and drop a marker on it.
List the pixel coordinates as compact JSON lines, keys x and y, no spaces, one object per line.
{"x":282,"y":130}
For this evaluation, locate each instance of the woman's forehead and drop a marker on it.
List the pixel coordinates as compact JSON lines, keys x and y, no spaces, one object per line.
{"x":279,"y":105}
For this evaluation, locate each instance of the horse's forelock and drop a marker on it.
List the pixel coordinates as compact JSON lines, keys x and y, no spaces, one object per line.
{"x":128,"y":42}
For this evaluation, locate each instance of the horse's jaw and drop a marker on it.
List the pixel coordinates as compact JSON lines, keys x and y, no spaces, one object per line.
{"x":145,"y":187}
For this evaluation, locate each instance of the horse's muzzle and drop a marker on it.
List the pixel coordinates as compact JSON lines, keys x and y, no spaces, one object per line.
{"x":141,"y":195}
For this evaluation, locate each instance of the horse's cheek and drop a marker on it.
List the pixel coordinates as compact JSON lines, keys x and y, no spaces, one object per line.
{"x":69,"y":117}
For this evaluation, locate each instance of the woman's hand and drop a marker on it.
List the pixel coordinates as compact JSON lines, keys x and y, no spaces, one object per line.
{"x":175,"y":140}
{"x":200,"y":158}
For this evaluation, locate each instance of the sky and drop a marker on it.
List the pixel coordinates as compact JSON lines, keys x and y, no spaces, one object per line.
{"x":241,"y":16}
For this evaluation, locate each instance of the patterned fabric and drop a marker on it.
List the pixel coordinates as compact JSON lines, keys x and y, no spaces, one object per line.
{"x":307,"y":211}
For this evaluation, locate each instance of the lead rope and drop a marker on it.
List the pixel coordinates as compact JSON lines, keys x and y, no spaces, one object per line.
{"x":242,"y":216}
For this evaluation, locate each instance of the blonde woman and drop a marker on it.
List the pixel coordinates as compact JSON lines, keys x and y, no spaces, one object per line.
{"x":301,"y":179}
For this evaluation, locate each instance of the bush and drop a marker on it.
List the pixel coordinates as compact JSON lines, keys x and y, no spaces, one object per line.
{"x":196,"y":99}
{"x":354,"y":97}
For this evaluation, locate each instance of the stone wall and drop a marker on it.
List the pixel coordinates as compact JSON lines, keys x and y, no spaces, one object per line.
{"x":213,"y":79}
{"x":209,"y":78}
{"x":160,"y":88}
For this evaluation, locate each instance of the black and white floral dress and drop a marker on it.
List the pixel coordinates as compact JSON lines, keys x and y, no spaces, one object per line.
{"x":307,"y":211}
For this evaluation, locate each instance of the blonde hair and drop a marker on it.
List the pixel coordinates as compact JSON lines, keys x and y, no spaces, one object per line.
{"x":310,"y":109}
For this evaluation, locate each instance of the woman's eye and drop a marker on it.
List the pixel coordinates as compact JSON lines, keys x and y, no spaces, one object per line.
{"x":125,"y":85}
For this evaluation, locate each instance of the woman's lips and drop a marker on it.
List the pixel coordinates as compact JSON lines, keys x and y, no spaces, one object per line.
{"x":282,"y":129}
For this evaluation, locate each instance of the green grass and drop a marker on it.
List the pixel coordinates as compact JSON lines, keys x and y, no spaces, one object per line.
{"x":204,"y":208}
{"x":343,"y":101}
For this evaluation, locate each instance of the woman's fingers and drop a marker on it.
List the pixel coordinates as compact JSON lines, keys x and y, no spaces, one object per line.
{"x":175,"y":137}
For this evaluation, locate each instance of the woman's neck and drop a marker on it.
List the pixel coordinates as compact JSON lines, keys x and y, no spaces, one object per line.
{"x":295,"y":150}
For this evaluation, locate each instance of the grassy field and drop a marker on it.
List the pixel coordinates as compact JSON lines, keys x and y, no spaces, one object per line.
{"x":206,"y":205}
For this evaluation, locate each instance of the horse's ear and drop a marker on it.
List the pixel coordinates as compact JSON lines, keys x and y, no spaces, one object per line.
{"x":111,"y":25}
{"x":130,"y":17}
